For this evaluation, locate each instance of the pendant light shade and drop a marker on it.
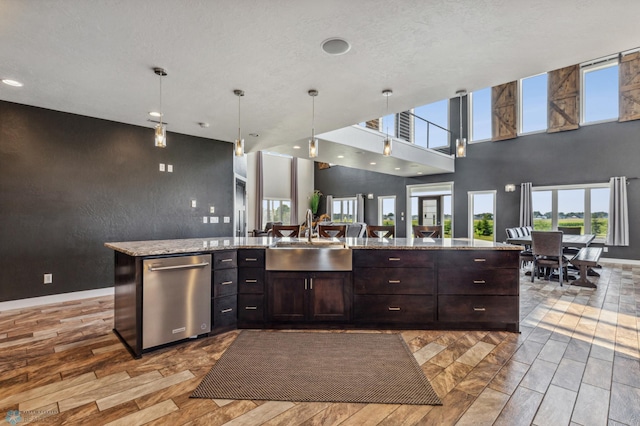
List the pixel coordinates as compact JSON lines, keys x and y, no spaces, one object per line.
{"x":239,"y":143}
{"x":161,"y":129}
{"x":387,"y":144}
{"x":461,"y":143}
{"x":313,"y":142}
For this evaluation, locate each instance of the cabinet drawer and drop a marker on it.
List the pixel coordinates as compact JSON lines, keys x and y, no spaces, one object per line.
{"x":224,"y":311}
{"x":481,"y":281}
{"x":225,"y":282}
{"x":251,"y":258}
{"x":250,"y":308}
{"x":478,"y":308}
{"x":393,"y":281}
{"x":393,"y":258}
{"x":251,"y":280}
{"x":457,"y":259}
{"x":225,"y":259}
{"x":393,"y":309}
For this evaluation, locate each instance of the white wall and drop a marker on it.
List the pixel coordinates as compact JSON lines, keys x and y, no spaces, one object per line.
{"x":277,"y":183}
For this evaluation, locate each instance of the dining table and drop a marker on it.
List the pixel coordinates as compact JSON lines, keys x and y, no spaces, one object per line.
{"x":568,"y":240}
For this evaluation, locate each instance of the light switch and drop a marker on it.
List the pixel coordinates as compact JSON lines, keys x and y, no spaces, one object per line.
{"x":162,"y":167}
{"x":194,"y":203}
{"x":212,"y":209}
{"x":205,"y":219}
{"x":170,"y":168}
{"x":227,"y":219}
{"x":214,"y":219}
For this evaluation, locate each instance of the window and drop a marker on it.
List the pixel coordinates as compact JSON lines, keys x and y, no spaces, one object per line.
{"x":427,"y":135}
{"x":343,"y":210}
{"x":480,"y":115}
{"x":600,"y":91}
{"x":388,"y":126}
{"x":584,"y":206}
{"x":387,"y":210}
{"x":533,"y":104}
{"x":482,"y":215}
{"x":276,"y":211}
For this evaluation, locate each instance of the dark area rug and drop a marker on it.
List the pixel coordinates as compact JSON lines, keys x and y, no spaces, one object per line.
{"x":322,"y":367}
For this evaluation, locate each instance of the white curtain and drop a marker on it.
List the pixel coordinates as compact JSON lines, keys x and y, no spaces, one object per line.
{"x":294,"y":191}
{"x":618,"y":230}
{"x":259,"y":190}
{"x":329,"y":208}
{"x":360,"y":207}
{"x":526,"y":204}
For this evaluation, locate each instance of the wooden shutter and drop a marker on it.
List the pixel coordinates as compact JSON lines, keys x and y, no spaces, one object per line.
{"x":564,"y":99}
{"x":504,"y":103}
{"x":373,"y":124}
{"x":404,"y":126}
{"x":630,"y":87}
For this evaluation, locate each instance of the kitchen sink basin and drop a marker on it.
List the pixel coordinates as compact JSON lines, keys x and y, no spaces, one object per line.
{"x":303,"y":255}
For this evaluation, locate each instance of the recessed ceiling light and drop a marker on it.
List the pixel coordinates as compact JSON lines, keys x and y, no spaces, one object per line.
{"x":397,"y":168}
{"x":155,"y":114}
{"x":203,"y":125}
{"x":340,"y":156}
{"x":13,"y":83}
{"x":336,"y":46}
{"x":419,"y":173}
{"x":296,"y":147}
{"x":254,"y":135}
{"x":372,"y":163}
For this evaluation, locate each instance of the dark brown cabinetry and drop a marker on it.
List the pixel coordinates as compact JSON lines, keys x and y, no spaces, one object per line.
{"x":479,"y":287}
{"x":309,"y":296}
{"x":251,"y":288}
{"x":224,"y":282}
{"x":393,"y":287}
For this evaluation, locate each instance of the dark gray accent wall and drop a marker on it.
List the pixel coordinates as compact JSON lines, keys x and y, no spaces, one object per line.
{"x":69,"y":183}
{"x":591,"y":154}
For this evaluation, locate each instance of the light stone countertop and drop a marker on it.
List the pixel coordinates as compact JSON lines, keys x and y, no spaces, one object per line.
{"x":203,"y":245}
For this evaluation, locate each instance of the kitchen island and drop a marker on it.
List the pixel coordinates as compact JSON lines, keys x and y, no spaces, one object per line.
{"x":397,"y":283}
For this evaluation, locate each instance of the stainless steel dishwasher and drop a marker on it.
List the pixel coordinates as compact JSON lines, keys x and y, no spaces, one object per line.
{"x":176,"y":298}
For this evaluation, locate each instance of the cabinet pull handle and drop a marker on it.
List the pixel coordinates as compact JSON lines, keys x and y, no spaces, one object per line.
{"x":226,"y":311}
{"x":226,"y":260}
{"x":250,"y":281}
{"x":394,"y":281}
{"x":394,"y":259}
{"x":479,"y":282}
{"x":311,"y":284}
{"x":305,"y":284}
{"x":226,"y":283}
{"x":251,"y":308}
{"x":477,"y":309}
{"x":250,"y":259}
{"x":394,"y":308}
{"x":167,"y":268}
{"x":479,"y":259}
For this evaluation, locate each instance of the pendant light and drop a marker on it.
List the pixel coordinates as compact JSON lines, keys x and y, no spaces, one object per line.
{"x":313,"y":142}
{"x":461,"y":143}
{"x":161,"y":129}
{"x":387,"y":143}
{"x":239,"y":143}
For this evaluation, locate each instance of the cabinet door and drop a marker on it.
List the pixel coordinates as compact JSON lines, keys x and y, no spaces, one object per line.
{"x":329,"y":296}
{"x":287,"y":295}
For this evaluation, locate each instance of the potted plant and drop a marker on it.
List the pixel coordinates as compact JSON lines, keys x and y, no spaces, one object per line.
{"x":315,"y":201}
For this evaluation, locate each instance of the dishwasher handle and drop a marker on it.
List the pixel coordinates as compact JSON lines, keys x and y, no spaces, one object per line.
{"x":186,"y":266}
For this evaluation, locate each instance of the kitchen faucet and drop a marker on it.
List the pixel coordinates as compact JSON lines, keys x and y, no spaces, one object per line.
{"x":309,"y":221}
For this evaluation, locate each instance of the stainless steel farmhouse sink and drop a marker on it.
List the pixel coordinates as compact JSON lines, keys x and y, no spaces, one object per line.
{"x":304,"y":255}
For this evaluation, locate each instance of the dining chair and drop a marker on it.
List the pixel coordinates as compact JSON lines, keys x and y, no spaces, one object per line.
{"x":380,"y":231}
{"x":526,"y":255}
{"x":332,"y":231}
{"x":571,"y":230}
{"x":286,"y":230}
{"x":547,"y":252}
{"x":427,"y":231}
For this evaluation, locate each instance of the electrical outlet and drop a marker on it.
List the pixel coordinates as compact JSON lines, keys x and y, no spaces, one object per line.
{"x":227,"y":219}
{"x":162,"y":167}
{"x":605,"y":249}
{"x":194,"y":203}
{"x":48,"y":278}
{"x":170,"y":168}
{"x":212,"y":209}
{"x":205,"y":219}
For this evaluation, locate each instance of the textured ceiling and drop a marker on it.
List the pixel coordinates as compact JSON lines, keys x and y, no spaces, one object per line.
{"x":95,"y":57}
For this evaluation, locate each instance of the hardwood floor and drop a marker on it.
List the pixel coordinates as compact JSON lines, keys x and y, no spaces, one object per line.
{"x":576,"y":362}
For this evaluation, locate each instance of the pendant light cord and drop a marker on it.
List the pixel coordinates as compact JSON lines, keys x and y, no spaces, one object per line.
{"x":160,"y":99}
{"x":460,"y":135}
{"x":239,"y":133}
{"x":313,"y":117}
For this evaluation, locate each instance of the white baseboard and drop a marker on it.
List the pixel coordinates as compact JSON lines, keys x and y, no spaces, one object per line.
{"x":55,"y":298}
